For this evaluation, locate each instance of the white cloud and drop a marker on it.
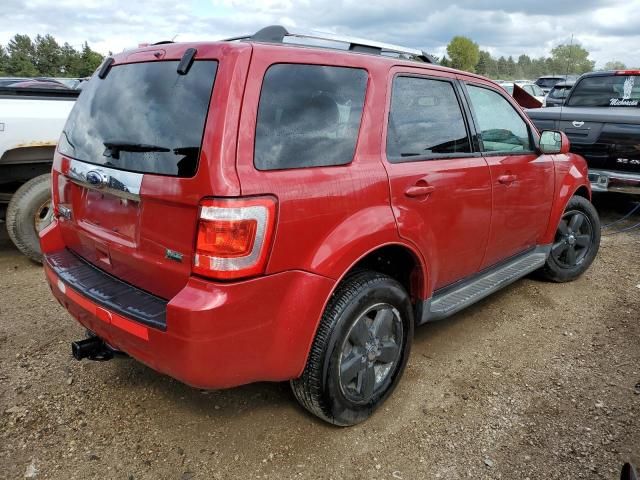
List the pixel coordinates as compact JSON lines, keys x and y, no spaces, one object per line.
{"x":607,"y":28}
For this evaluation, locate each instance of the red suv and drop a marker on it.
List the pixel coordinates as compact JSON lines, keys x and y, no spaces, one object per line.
{"x":253,"y":209}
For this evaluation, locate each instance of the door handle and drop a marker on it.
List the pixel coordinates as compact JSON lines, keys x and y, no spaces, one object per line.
{"x":419,"y":191}
{"x":507,"y":179}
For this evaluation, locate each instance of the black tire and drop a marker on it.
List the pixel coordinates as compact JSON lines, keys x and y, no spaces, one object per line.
{"x":576,"y":244}
{"x":325,"y":388}
{"x":26,"y":210}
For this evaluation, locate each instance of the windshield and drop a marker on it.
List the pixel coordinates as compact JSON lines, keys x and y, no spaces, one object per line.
{"x":606,"y":91}
{"x":143,"y":117}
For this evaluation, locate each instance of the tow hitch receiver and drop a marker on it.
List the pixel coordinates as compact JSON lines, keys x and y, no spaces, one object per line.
{"x":92,"y":348}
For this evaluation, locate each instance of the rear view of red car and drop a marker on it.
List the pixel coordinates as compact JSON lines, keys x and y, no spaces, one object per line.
{"x":251,"y":210}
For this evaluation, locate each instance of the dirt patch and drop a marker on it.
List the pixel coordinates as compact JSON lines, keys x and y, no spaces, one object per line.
{"x":540,"y":381}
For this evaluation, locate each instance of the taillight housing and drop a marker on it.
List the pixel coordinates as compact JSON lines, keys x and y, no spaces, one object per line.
{"x":234,"y":237}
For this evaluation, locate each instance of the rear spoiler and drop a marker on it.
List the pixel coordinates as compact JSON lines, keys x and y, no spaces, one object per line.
{"x":525,"y":100}
{"x":52,"y":93}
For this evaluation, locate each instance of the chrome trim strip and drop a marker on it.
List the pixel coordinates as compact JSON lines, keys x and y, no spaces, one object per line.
{"x":332,"y":37}
{"x":612,"y":181}
{"x":116,"y":182}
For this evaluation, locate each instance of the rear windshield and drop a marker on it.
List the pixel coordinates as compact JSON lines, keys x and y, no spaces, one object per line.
{"x":143,"y":117}
{"x":547,"y":82}
{"x":606,"y":91}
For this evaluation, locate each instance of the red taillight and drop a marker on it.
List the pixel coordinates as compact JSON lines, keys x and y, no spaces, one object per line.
{"x":234,"y":236}
{"x":627,"y":72}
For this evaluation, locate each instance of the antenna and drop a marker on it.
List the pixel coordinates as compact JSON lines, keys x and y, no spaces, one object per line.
{"x":569,"y":59}
{"x":566,"y":75}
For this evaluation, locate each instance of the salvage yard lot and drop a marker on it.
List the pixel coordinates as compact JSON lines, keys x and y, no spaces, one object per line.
{"x":540,"y":380}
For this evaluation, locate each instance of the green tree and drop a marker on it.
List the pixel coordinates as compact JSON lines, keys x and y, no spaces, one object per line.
{"x":511,"y":67}
{"x":70,"y":61}
{"x":445,"y":61}
{"x":47,"y":56}
{"x":524,"y":66}
{"x":464,"y":53}
{"x":486,"y":64}
{"x":4,"y":61}
{"x":90,"y":60}
{"x":615,"y":65}
{"x":21,"y":57}
{"x":502,"y":68}
{"x":573,"y":59}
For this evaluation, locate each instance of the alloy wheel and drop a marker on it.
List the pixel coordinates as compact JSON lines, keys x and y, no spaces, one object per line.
{"x":573,"y":239}
{"x":370,"y":353}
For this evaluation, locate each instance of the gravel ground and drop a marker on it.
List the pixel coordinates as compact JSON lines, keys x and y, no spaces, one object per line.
{"x":540,"y":381}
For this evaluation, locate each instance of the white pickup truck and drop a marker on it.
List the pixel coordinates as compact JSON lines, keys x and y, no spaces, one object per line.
{"x":31,"y":121}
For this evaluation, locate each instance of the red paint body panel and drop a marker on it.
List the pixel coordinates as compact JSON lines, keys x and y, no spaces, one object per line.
{"x":222,"y":334}
{"x":521,"y":207}
{"x":218,"y":335}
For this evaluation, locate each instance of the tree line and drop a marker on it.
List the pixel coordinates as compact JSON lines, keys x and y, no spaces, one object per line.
{"x":464,"y":54}
{"x":45,"y":57}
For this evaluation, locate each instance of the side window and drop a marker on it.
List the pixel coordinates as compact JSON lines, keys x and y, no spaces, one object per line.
{"x":502,"y":129}
{"x":308,"y":116}
{"x":425,"y":120}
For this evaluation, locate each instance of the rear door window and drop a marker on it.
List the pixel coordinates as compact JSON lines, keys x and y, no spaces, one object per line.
{"x":425,"y":121}
{"x":501,"y":128}
{"x":308,"y":116}
{"x":143,"y":117}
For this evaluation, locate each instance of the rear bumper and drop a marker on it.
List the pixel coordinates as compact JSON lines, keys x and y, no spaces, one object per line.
{"x":217,"y":335}
{"x":612,"y":181}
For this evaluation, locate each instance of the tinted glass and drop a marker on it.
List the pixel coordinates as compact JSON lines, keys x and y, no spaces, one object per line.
{"x":606,"y":91}
{"x":425,"y":120}
{"x":547,"y":82}
{"x":502,"y":129}
{"x":309,"y":116}
{"x":559,"y":92}
{"x":143,"y":117}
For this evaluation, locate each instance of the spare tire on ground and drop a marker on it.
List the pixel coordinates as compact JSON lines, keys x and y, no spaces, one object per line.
{"x":30,"y":211}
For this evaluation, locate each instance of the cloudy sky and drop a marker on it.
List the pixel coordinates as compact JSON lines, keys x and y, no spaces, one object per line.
{"x":609,"y":29}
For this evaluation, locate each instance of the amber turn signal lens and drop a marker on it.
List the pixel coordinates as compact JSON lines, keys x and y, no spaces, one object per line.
{"x":226,"y":238}
{"x":234,"y":237}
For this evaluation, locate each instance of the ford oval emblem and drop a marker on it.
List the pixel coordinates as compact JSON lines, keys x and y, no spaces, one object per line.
{"x":96,"y":179}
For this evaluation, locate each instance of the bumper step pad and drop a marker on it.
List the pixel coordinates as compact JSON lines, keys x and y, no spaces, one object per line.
{"x":108,"y":291}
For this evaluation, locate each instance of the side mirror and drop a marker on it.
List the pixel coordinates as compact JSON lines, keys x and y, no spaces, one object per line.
{"x":552,"y":142}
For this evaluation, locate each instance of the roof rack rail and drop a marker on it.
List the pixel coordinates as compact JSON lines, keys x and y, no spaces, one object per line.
{"x":278,"y":33}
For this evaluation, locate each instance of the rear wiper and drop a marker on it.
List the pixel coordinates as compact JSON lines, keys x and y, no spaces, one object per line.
{"x":115,"y":148}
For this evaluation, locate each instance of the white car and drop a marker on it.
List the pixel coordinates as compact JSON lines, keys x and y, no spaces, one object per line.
{"x":529,"y":87}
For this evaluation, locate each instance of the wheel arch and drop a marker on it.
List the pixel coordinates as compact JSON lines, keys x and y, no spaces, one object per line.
{"x":571,"y":180}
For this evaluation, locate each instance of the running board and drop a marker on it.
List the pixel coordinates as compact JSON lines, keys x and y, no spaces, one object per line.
{"x":454,"y":299}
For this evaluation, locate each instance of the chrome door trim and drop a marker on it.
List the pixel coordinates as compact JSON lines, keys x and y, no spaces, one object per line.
{"x":116,"y":182}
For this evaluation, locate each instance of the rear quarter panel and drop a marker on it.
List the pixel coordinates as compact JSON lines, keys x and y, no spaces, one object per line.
{"x":328,"y":217}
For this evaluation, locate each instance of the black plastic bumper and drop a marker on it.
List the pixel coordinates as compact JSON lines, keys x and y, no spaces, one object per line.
{"x":108,"y":291}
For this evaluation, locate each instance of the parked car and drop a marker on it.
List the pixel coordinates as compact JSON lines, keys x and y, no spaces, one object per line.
{"x":44,"y":84}
{"x":6,"y":81}
{"x":558,"y":93}
{"x":33,"y":116}
{"x":547,"y":82}
{"x":531,"y":88}
{"x":601,"y":117}
{"x":291,"y":212}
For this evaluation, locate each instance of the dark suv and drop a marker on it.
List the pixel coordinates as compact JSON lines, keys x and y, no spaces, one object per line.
{"x":251,"y":210}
